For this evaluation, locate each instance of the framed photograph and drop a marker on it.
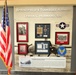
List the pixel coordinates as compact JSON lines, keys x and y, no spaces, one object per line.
{"x":42,"y":30}
{"x":22,"y":48}
{"x":22,"y":31}
{"x":42,"y":47}
{"x":62,"y":38}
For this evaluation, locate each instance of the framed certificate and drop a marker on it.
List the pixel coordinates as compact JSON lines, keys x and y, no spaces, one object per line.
{"x":22,"y":31}
{"x":42,"y":47}
{"x":22,"y":48}
{"x":62,"y":38}
{"x":42,"y":30}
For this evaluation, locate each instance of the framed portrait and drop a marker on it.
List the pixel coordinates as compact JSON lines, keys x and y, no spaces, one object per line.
{"x":42,"y":47}
{"x":62,"y":38}
{"x":42,"y":30}
{"x":22,"y":48}
{"x":22,"y":31}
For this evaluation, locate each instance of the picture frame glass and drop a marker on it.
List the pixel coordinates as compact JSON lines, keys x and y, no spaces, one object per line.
{"x":62,"y":38}
{"x":22,"y":32}
{"x":42,"y":47}
{"x":22,"y":49}
{"x":42,"y":30}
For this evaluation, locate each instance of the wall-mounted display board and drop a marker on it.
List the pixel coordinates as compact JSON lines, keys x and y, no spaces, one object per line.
{"x":41,"y":55}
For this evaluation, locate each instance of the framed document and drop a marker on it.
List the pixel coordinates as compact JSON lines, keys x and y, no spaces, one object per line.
{"x":62,"y":38}
{"x":22,"y":31}
{"x":22,"y":48}
{"x":42,"y":47}
{"x":42,"y":30}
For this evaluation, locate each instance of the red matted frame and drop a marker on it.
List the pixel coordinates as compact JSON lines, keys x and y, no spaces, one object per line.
{"x":22,"y":31}
{"x":62,"y":38}
{"x":22,"y":49}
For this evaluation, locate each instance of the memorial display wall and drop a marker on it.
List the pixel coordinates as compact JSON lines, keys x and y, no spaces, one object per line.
{"x":58,"y":27}
{"x":34,"y":21}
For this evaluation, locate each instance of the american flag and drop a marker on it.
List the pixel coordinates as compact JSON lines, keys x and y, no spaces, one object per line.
{"x":5,"y":39}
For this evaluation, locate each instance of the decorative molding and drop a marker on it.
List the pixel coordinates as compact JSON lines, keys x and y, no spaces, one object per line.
{"x":38,"y":2}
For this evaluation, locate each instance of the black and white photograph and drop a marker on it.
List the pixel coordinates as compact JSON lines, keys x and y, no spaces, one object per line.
{"x":22,"y":49}
{"x":22,"y":31}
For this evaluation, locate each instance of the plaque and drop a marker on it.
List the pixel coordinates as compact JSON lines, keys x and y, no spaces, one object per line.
{"x":61,"y":50}
{"x":42,"y":47}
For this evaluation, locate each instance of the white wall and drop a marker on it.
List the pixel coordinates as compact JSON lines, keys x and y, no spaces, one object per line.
{"x":36,"y":14}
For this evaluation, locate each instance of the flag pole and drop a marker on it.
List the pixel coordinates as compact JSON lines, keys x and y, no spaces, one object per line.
{"x":5,"y":10}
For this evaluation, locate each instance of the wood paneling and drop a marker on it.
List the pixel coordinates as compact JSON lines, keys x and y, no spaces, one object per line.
{"x":38,"y":2}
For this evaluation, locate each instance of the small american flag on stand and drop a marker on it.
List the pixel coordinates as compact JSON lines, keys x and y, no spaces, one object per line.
{"x":5,"y":39}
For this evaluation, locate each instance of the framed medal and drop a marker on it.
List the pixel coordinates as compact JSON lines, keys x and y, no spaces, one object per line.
{"x":42,"y":30}
{"x":22,"y":31}
{"x":42,"y":47}
{"x":62,"y":38}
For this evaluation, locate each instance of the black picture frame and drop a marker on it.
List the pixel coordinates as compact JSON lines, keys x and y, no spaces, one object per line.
{"x":44,"y":47}
{"x":42,"y":30}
